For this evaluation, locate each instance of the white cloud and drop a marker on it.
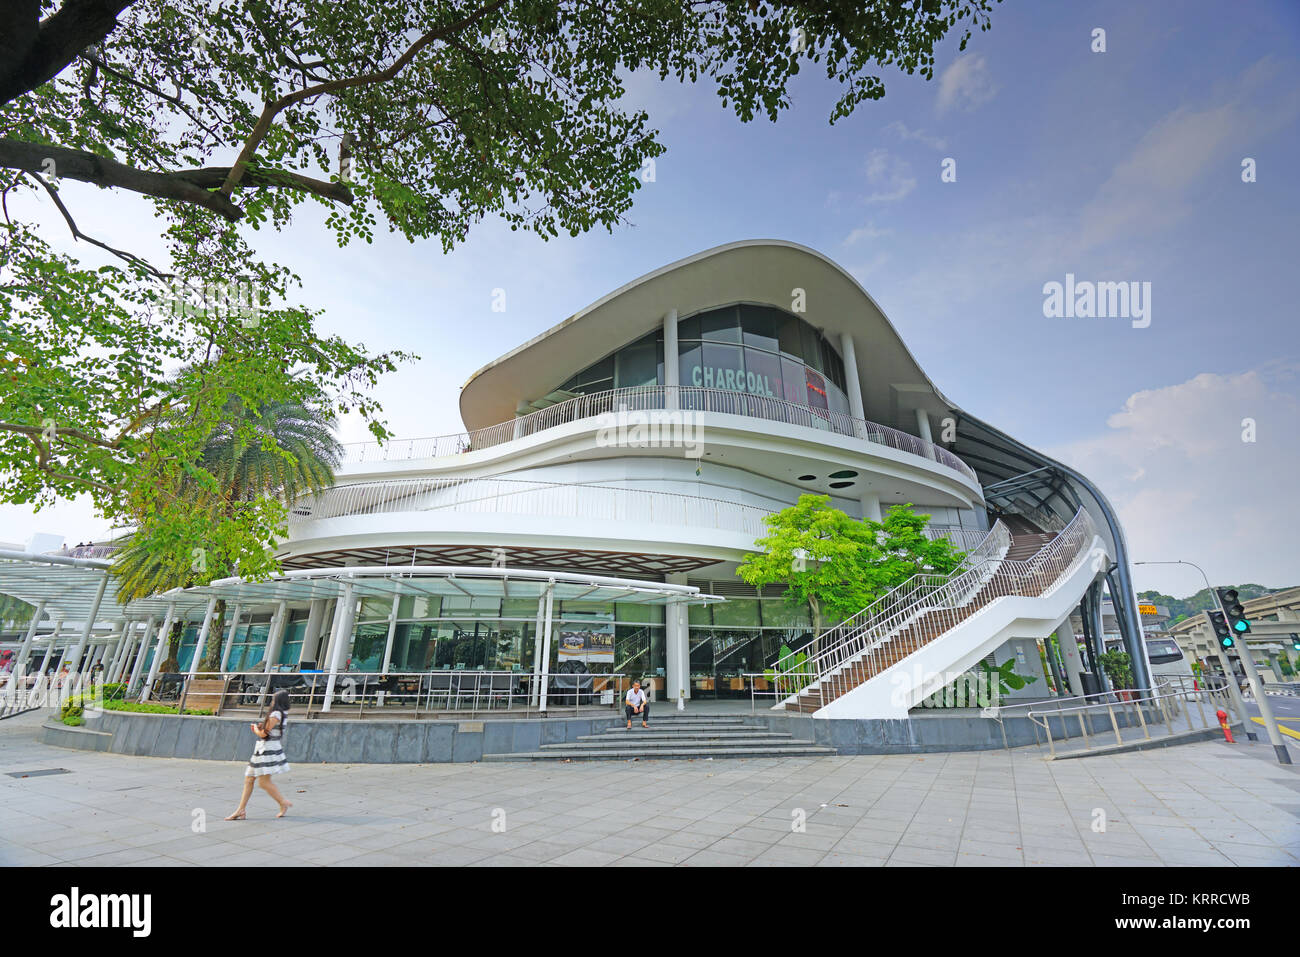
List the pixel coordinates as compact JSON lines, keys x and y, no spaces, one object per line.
{"x":890,"y":177}
{"x":869,"y":231}
{"x":1157,"y":184}
{"x":1188,"y":488}
{"x":966,"y":84}
{"x":920,"y":136}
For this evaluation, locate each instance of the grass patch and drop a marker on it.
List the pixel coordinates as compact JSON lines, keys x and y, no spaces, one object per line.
{"x":73,"y":711}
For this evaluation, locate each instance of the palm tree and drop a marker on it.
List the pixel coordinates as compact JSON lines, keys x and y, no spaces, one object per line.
{"x":281,"y":450}
{"x":15,"y":611}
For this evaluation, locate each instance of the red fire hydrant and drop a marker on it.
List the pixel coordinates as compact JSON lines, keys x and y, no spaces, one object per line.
{"x":1223,"y":723}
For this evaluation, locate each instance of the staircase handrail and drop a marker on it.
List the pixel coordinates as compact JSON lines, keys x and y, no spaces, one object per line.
{"x":1009,"y":577}
{"x":997,"y":539}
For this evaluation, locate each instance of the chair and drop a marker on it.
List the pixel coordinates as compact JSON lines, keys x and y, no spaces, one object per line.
{"x":468,"y":685}
{"x":500,"y":684}
{"x":440,"y":683}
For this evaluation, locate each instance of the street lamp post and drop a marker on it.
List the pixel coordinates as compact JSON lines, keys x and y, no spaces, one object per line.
{"x":1229,"y":674}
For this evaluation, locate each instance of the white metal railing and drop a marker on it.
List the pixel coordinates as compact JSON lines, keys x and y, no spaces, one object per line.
{"x":647,"y":399}
{"x":571,"y":500}
{"x":87,"y":551}
{"x":964,"y":539}
{"x":357,"y":693}
{"x":522,"y":497}
{"x":1047,"y":521}
{"x":1197,"y":700}
{"x":925,"y":607}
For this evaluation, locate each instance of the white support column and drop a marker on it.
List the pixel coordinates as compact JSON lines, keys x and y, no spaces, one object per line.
{"x":672,"y":363}
{"x":119,"y":651}
{"x":98,"y":650}
{"x":26,"y":649}
{"x":43,"y":681}
{"x":392,"y":631}
{"x":339,"y":640}
{"x":163,"y":635}
{"x":230,"y":638}
{"x":128,"y":645}
{"x":88,"y":626}
{"x":852,"y":384}
{"x":49,"y":651}
{"x":923,"y":430}
{"x":871,"y":506}
{"x":535,"y":689}
{"x":1070,"y":653}
{"x":521,"y":410}
{"x":677,"y":646}
{"x":141,"y":654}
{"x":311,"y":634}
{"x":545,"y":670}
{"x":325,"y":646}
{"x":275,"y":637}
{"x":388,"y":641}
{"x":202,"y":641}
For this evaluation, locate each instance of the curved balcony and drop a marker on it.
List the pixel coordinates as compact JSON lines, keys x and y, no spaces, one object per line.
{"x":587,"y":503}
{"x":647,"y":399}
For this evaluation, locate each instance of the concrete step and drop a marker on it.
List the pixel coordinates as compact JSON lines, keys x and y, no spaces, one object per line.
{"x":691,"y":726}
{"x":672,"y":740}
{"x":573,"y":753}
{"x":637,"y":731}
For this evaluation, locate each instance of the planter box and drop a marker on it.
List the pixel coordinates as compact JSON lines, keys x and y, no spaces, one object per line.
{"x":208,"y":694}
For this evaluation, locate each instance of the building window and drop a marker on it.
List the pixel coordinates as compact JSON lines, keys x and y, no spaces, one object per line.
{"x":747,"y":349}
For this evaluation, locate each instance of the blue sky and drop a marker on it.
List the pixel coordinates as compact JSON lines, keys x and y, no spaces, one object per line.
{"x":1115,"y":166}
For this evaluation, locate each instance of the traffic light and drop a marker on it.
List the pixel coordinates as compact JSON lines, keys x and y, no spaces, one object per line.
{"x":1222,"y":633}
{"x":1295,"y":641}
{"x":1233,"y":610}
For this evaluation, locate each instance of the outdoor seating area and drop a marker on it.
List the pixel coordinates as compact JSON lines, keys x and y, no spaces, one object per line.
{"x":396,"y":694}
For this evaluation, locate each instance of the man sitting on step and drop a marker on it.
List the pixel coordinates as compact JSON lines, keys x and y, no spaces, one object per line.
{"x":637,"y":703}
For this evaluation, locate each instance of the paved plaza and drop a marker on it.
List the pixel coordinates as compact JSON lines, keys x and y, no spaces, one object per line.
{"x":1200,"y":804}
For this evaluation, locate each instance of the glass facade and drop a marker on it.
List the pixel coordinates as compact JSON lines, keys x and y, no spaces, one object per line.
{"x":491,"y":634}
{"x":744,"y":348}
{"x":739,"y":637}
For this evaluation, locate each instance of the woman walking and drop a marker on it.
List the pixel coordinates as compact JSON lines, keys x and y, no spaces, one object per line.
{"x":268,"y":757}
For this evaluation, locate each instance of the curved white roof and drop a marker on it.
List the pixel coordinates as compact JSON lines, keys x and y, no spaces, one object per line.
{"x":753,"y":270}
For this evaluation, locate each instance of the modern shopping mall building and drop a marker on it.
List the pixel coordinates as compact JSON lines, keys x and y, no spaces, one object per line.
{"x":612,"y":474}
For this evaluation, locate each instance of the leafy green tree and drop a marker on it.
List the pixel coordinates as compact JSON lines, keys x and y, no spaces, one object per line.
{"x":836,"y":564}
{"x":262,"y":460}
{"x":15,"y":611}
{"x":427,"y":115}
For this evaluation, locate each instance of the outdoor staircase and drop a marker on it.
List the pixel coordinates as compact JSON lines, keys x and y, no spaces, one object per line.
{"x":923,"y":630}
{"x":680,"y":737}
{"x":1027,"y":565}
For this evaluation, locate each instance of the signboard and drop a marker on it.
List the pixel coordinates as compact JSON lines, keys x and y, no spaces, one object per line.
{"x":589,"y":639}
{"x":732,"y":380}
{"x":1148,"y":610}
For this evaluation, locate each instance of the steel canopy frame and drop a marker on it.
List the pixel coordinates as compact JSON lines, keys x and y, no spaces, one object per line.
{"x":985,"y":438}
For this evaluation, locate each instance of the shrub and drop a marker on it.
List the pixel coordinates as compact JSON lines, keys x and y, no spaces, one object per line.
{"x":150,"y":707}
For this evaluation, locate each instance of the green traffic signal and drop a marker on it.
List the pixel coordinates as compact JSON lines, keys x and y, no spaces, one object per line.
{"x":1233,"y":610}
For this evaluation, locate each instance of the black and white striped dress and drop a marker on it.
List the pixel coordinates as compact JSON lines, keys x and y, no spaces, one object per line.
{"x":268,"y":754}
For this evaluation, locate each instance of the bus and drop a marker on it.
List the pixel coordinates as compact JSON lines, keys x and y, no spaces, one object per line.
{"x":1166,"y":658}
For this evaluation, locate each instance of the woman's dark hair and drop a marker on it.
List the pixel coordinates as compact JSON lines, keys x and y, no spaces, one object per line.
{"x":280,"y":701}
